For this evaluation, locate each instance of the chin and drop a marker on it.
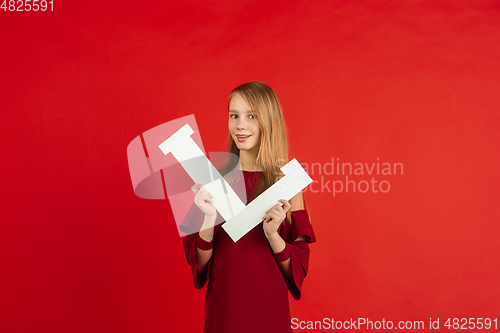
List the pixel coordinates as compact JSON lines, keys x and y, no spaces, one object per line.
{"x":248,"y":147}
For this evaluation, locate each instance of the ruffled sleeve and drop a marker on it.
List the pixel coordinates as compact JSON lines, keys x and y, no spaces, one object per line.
{"x":296,"y":250}
{"x":192,"y":222}
{"x":191,"y":242}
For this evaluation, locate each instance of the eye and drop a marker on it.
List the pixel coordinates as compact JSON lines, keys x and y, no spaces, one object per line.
{"x":233,"y":116}
{"x":252,"y":116}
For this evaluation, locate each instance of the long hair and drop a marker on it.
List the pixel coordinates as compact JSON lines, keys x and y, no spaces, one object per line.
{"x":273,"y":150}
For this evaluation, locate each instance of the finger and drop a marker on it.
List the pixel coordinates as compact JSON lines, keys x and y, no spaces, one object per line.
{"x":278,"y":209}
{"x":278,"y":217}
{"x":208,"y":197}
{"x":206,"y":193}
{"x":209,"y":194}
{"x":195,"y":188}
{"x":203,"y":196}
{"x":266,"y":218}
{"x":286,"y":205}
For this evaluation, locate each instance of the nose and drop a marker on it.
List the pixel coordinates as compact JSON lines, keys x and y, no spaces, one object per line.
{"x":242,"y":124}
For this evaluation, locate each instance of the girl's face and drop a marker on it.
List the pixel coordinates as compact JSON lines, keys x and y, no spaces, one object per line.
{"x":243,"y":126}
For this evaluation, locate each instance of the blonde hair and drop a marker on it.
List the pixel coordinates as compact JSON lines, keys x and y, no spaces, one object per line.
{"x":273,"y":150}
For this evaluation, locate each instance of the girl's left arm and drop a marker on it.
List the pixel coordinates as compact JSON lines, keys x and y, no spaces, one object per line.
{"x":290,"y":244}
{"x":272,"y":221}
{"x":278,"y":244}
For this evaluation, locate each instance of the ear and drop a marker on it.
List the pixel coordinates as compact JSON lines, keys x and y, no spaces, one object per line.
{"x":297,"y":202}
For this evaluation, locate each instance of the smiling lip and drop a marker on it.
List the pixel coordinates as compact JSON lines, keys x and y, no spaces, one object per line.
{"x":242,"y":137}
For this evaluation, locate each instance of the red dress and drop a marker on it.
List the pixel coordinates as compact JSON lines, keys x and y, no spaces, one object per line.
{"x":246,"y":290}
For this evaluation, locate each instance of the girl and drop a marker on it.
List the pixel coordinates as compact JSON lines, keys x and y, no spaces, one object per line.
{"x":248,"y":280}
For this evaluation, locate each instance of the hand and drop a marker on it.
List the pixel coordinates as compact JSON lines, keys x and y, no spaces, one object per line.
{"x":274,"y":217}
{"x":203,"y":199}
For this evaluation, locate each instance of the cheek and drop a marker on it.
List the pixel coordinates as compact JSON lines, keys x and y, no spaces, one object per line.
{"x":257,"y":132}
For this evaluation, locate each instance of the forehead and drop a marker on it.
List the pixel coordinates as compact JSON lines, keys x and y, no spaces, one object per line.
{"x":238,"y":104}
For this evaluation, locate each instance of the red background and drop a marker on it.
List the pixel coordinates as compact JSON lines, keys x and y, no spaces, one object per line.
{"x":414,"y":82}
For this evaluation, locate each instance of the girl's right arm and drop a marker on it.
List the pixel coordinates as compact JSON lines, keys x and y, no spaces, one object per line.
{"x":203,"y":200}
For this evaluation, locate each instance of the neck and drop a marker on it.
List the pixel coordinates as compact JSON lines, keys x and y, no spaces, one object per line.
{"x":248,"y":160}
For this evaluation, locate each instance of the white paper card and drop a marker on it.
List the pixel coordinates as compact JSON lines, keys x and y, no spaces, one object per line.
{"x":293,"y":182}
